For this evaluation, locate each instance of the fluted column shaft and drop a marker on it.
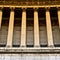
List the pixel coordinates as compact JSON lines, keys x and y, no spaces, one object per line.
{"x":49,"y":28}
{"x":0,"y":17}
{"x":36,"y":29}
{"x":59,"y":17}
{"x":10,"y":30}
{"x":23,"y":29}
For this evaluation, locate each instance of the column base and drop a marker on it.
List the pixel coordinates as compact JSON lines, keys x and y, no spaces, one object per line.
{"x":51,"y":46}
{"x":23,"y":46}
{"x":8,"y":46}
{"x":36,"y":46}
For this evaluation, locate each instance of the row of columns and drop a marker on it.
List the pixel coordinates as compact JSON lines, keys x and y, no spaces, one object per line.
{"x":23,"y":29}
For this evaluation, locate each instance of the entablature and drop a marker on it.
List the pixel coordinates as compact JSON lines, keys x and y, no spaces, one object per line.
{"x":29,"y":2}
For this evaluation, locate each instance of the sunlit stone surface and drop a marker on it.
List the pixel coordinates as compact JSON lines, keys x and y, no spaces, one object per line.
{"x":29,"y":30}
{"x":29,"y":57}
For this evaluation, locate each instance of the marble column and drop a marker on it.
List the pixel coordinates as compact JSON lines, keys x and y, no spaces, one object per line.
{"x":36,"y":29}
{"x":0,"y":17}
{"x":23,"y":29}
{"x":49,"y":29}
{"x":58,"y":16}
{"x":10,"y":29}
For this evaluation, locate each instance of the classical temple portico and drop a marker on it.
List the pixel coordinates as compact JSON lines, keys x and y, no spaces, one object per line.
{"x":29,"y":29}
{"x":40,"y":36}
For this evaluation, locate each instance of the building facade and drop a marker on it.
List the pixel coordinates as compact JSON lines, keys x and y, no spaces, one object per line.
{"x":29,"y":29}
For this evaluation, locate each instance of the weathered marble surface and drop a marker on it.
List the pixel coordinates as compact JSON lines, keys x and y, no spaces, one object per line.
{"x":29,"y":56}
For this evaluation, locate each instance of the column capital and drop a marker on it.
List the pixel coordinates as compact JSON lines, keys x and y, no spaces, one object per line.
{"x":1,"y":8}
{"x":58,"y":8}
{"x":35,"y":9}
{"x":47,"y":8}
{"x":24,"y":9}
{"x":12,"y":8}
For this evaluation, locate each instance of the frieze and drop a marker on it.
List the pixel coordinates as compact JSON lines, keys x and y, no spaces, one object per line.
{"x":17,"y":2}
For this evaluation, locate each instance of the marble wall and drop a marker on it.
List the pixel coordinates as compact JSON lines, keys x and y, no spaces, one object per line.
{"x":29,"y":56}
